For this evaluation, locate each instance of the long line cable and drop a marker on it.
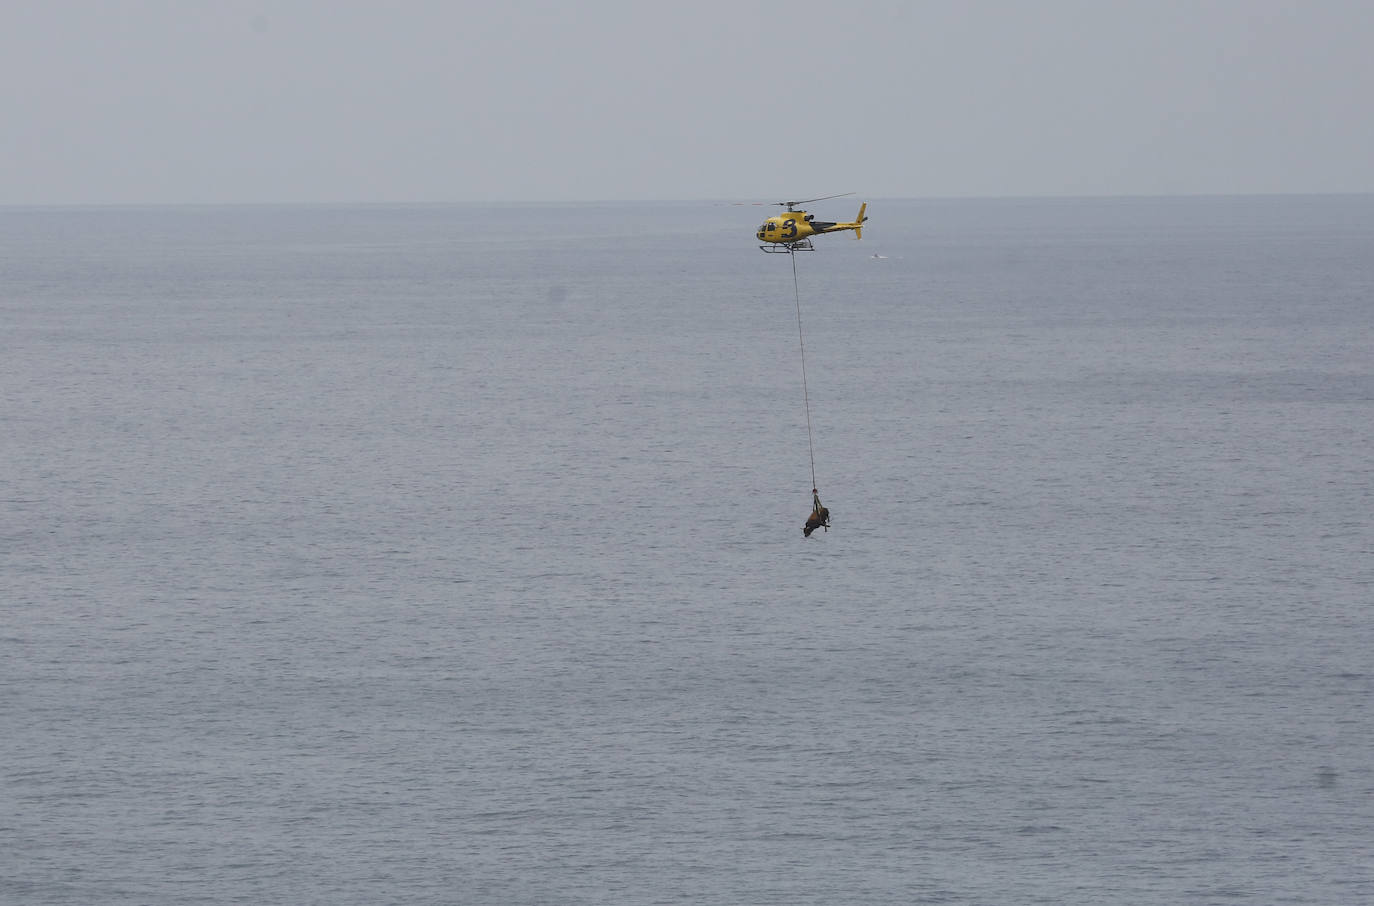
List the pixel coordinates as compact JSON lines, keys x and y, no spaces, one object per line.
{"x":801,"y":340}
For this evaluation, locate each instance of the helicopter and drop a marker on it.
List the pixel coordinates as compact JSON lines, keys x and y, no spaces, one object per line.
{"x":792,"y":230}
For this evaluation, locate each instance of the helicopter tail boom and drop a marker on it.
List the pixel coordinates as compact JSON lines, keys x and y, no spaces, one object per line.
{"x":856,"y":225}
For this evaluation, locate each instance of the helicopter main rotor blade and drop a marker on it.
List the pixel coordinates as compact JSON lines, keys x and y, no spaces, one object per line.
{"x":822,"y":198}
{"x":784,"y":204}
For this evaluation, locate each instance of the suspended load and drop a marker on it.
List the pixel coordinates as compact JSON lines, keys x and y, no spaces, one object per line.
{"x":819,"y":518}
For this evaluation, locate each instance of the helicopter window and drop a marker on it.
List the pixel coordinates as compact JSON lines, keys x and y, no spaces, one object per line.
{"x":771,"y":226}
{"x":810,"y":217}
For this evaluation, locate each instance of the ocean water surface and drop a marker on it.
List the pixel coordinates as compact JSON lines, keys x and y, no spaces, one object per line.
{"x":453,"y":554}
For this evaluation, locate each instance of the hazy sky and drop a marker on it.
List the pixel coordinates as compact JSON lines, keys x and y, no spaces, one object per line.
{"x":334,"y":100}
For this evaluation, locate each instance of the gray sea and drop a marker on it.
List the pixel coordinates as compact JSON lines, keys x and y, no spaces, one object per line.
{"x":453,"y":555}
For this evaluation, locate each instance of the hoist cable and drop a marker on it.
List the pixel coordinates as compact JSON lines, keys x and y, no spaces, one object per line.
{"x":806,"y":396}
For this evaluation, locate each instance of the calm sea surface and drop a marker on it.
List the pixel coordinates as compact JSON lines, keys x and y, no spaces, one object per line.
{"x":453,"y":554}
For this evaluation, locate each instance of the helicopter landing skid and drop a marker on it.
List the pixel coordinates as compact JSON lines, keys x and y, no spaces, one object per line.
{"x":787,"y":248}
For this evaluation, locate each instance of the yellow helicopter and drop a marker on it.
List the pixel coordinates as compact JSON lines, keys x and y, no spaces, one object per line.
{"x":792,"y":230}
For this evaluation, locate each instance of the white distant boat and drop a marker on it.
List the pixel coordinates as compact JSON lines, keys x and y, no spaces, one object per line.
{"x":876,"y":255}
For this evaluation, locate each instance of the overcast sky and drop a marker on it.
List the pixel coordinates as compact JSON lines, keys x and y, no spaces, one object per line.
{"x":337,"y":101}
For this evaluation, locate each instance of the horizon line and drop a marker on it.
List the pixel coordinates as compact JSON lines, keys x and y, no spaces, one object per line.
{"x":631,"y":201}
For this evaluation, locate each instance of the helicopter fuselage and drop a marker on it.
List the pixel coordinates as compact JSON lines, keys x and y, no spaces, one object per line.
{"x":792,"y":226}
